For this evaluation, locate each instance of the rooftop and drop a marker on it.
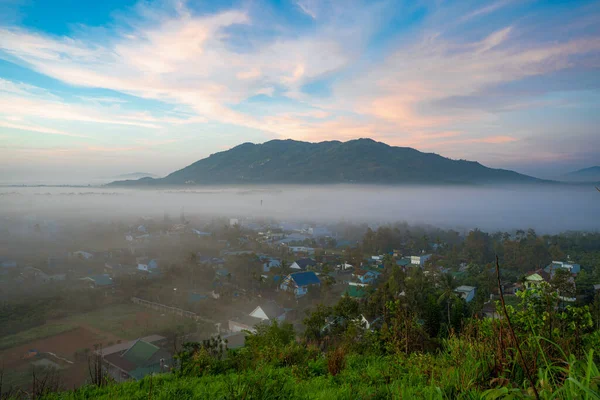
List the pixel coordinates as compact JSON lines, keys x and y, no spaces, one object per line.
{"x":305,"y":278}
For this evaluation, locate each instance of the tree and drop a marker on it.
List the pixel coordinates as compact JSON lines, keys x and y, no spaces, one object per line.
{"x":448,"y":294}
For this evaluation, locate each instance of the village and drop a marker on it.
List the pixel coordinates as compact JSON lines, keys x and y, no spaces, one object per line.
{"x":162,"y":283}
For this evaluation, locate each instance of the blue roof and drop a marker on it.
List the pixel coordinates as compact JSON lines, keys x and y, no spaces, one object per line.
{"x":222,"y":272}
{"x":305,"y":278}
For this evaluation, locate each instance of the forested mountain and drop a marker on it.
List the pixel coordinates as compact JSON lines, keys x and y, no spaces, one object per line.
{"x":355,"y":161}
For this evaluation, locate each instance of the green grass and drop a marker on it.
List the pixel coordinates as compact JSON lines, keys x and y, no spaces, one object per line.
{"x":39,"y":332}
{"x":365,"y":377}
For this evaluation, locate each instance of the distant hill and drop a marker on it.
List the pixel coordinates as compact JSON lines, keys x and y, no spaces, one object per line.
{"x":356,"y":161}
{"x":591,"y":174}
{"x":136,"y":175}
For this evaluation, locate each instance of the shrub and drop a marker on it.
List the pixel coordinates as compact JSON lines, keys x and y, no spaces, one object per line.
{"x":336,"y":361}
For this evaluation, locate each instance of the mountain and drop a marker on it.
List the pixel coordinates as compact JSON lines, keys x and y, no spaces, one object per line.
{"x":591,"y":174}
{"x":355,"y":161}
{"x":136,"y":175}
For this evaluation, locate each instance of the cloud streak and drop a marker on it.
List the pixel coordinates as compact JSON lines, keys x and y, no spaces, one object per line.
{"x":408,"y":92}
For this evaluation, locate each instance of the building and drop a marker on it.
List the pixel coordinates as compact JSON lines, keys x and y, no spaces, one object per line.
{"x":466,"y":292}
{"x":356,"y":292}
{"x":147,"y":265}
{"x":299,"y":282}
{"x":302,"y":249}
{"x":556,"y":265}
{"x":82,"y":255}
{"x":269,"y":263}
{"x":366,"y":276}
{"x":535,"y":278}
{"x":7,"y":263}
{"x":96,"y":281}
{"x":136,"y":359}
{"x":303,"y":263}
{"x":268,"y":311}
{"x":420,"y":260}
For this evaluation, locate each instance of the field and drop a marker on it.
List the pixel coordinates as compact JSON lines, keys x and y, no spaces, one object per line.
{"x":128,"y":321}
{"x":17,"y":361}
{"x":70,"y":340}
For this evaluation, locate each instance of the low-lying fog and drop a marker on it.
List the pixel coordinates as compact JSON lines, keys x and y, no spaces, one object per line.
{"x":548,"y":209}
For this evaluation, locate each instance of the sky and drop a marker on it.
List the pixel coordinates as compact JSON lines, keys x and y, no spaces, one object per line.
{"x":96,"y":89}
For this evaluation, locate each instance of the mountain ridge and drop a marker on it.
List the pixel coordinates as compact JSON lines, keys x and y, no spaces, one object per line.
{"x":363,"y":161}
{"x":589,"y":174}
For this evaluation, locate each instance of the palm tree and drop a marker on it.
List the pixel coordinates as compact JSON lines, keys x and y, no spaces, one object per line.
{"x":448,"y":294}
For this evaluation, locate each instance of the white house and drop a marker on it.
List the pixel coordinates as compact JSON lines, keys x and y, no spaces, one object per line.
{"x":466,"y":292}
{"x":345,"y":266}
{"x":368,"y":323}
{"x":420,"y":260}
{"x":269,"y":311}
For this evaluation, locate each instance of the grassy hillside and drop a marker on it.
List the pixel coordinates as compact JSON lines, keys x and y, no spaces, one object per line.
{"x":554,"y":356}
{"x":456,"y":373}
{"x":355,"y":161}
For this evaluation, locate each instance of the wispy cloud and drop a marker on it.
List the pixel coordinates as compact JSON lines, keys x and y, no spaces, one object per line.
{"x":405,"y":90}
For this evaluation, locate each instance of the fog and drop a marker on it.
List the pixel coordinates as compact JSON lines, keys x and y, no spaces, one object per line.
{"x":547,"y":209}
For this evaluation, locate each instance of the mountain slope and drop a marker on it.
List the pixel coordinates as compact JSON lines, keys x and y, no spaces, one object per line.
{"x":591,"y":174}
{"x":136,"y":175}
{"x":355,"y":161}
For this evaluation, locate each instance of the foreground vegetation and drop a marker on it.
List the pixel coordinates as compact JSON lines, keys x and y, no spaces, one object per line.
{"x":552,"y":355}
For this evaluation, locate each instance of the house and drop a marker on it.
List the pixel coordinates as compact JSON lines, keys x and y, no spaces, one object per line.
{"x":201,"y":233}
{"x":509,"y":288}
{"x":302,"y":249}
{"x":366,"y":276}
{"x":208,"y":260}
{"x":268,"y":311}
{"x":370,"y":323}
{"x":319,"y":231}
{"x":135,"y":360}
{"x":299,"y":282}
{"x":556,"y":265}
{"x":466,"y":292}
{"x":97,"y":281}
{"x":343,"y":267}
{"x":222,"y":273}
{"x":489,"y":311}
{"x":196,"y":297}
{"x":82,"y":255}
{"x":147,"y":265}
{"x":420,"y":260}
{"x":403,"y":262}
{"x":356,"y":292}
{"x":269,"y":263}
{"x":7,"y":263}
{"x":535,"y":278}
{"x":303,"y":263}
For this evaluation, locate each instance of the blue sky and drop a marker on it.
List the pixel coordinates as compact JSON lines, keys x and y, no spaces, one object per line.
{"x":96,"y":89}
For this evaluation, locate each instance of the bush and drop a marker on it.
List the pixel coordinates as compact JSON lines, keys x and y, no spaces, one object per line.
{"x":336,"y":361}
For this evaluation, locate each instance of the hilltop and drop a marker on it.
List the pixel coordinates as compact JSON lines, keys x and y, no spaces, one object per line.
{"x":591,"y":174}
{"x":356,"y":161}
